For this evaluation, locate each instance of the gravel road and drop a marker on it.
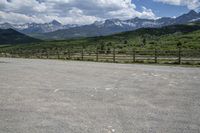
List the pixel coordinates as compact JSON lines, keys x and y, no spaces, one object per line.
{"x":52,"y":96}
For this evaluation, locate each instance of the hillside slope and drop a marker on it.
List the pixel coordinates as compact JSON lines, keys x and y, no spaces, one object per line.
{"x":10,"y":36}
{"x":145,"y":38}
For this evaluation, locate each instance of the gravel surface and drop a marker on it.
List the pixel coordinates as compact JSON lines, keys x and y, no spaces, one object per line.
{"x":49,"y":96}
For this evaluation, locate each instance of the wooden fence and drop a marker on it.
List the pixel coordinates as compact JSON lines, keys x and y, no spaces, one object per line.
{"x":178,"y":56}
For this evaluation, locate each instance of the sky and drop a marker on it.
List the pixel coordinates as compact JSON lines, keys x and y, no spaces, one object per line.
{"x":88,"y":11}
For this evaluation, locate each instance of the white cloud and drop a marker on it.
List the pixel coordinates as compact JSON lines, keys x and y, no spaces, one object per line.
{"x":191,"y":4}
{"x":17,"y":18}
{"x":68,"y":11}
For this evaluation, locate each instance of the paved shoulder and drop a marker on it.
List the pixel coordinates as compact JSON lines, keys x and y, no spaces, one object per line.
{"x":50,"y":96}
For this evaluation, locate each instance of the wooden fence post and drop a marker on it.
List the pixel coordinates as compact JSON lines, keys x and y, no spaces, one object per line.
{"x":34,"y":54}
{"x":133,"y":55}
{"x":11,"y":54}
{"x":156,"y":56}
{"x":30,"y":54}
{"x":69,"y":54}
{"x":38,"y":53}
{"x":179,"y":55}
{"x":20,"y":52}
{"x":97,"y":54}
{"x":47,"y":53}
{"x":5,"y":54}
{"x":114,"y":55}
{"x":58,"y":55}
{"x":82,"y":54}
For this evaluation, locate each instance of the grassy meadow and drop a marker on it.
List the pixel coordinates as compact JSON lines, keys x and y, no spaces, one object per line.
{"x":167,"y":41}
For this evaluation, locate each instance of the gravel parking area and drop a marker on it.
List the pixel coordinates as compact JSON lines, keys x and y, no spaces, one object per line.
{"x":52,"y":96}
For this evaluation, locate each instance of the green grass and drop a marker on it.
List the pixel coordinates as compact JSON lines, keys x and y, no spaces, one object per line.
{"x":3,"y":46}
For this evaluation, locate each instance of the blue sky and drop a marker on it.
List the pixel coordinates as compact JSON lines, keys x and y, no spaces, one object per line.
{"x":88,"y":11}
{"x":161,"y":9}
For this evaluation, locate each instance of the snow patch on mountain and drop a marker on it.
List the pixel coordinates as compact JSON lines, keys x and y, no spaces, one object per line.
{"x":193,"y":20}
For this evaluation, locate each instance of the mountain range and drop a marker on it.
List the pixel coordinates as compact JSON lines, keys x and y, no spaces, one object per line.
{"x":35,"y":28}
{"x":55,"y":30}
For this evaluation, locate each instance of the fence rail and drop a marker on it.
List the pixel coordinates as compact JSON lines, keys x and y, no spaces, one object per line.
{"x":178,"y":56}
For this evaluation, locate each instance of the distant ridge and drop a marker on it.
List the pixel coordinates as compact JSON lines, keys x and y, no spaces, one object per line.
{"x":10,"y":36}
{"x":113,"y":26}
{"x":36,"y":28}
